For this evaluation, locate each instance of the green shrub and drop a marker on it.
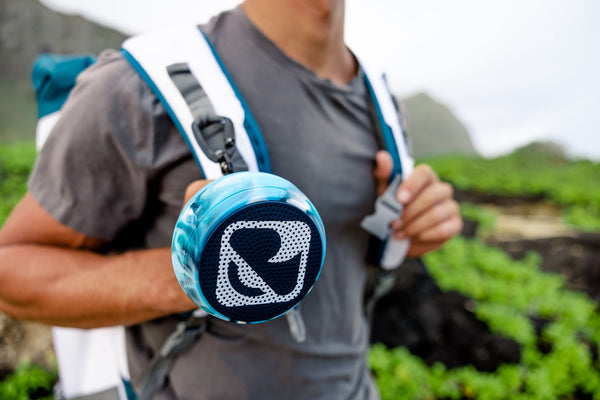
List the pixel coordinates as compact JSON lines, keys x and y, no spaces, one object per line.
{"x":573,"y":184}
{"x":485,"y":218}
{"x":29,"y":382}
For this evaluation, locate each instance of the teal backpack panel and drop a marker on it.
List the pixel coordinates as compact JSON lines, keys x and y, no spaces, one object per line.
{"x":54,"y":76}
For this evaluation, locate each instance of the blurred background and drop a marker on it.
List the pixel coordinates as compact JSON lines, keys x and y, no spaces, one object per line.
{"x":502,"y":98}
{"x":510,"y":71}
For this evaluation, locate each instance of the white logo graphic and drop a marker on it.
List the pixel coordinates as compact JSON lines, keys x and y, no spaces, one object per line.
{"x":295,"y":239}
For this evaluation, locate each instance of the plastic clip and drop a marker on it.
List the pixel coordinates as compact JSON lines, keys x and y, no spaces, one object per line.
{"x":387,"y":209}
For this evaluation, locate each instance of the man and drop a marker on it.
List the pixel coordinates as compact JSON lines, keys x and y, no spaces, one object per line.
{"x":88,"y":246}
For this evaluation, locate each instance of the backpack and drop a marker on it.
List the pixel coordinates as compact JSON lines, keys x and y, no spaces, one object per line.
{"x":195,"y":91}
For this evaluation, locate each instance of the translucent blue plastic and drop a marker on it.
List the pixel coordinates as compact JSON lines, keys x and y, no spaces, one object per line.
{"x":217,"y":202}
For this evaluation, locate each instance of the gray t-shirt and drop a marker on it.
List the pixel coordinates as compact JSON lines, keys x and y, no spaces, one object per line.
{"x":115,"y":168}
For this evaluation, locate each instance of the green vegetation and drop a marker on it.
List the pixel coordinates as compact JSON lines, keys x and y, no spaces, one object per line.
{"x":557,"y":361}
{"x":29,"y":382}
{"x":557,"y":329}
{"x":575,"y":185}
{"x":486,"y":219}
{"x":16,"y":161}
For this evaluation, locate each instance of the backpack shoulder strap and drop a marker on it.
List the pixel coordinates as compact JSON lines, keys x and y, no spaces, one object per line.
{"x":392,"y":251}
{"x":389,"y":120}
{"x":186,"y":74}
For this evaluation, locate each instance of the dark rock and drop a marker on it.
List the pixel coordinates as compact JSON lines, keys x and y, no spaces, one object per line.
{"x":576,"y":258}
{"x":435,"y":325}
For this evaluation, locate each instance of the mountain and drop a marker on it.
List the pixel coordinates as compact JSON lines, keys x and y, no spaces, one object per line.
{"x":433,"y":129}
{"x":27,"y":29}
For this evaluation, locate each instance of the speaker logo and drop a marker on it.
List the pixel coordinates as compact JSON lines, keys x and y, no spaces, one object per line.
{"x":250,"y":274}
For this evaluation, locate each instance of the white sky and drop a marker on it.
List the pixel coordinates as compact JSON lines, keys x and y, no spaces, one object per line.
{"x":512,"y":70}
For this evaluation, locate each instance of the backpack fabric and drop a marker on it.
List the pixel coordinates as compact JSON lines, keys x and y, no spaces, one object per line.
{"x":53,"y":77}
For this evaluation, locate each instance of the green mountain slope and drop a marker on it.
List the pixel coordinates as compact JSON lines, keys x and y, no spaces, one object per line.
{"x":433,"y":128}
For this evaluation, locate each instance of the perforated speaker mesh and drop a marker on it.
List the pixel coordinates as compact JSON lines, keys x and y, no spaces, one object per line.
{"x":260,"y":261}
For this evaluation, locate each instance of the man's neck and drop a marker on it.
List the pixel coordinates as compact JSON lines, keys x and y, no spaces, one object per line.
{"x":310,"y":32}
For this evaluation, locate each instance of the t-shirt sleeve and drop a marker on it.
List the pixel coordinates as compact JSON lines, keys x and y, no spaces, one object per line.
{"x":92,"y":173}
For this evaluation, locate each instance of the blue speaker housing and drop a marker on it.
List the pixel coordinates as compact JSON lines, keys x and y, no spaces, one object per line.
{"x":248,"y":247}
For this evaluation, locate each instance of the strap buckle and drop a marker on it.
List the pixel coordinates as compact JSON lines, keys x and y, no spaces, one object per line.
{"x":387,"y":209}
{"x":216,"y":138}
{"x":179,"y":341}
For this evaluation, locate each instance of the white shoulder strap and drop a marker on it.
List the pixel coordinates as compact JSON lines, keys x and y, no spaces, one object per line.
{"x":151,"y":54}
{"x":395,"y":140}
{"x":395,"y":250}
{"x":91,"y":362}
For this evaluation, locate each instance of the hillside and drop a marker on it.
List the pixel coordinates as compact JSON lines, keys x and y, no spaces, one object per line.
{"x":434,"y":129}
{"x":28,"y":28}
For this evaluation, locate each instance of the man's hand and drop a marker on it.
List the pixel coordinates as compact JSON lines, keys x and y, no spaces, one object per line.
{"x":193,"y":188}
{"x":430,"y":217}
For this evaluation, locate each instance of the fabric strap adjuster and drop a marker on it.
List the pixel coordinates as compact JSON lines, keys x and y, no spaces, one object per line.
{"x":216,"y":138}
{"x":185,"y":335}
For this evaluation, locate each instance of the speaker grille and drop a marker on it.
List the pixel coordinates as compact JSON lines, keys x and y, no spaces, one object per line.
{"x":260,"y":261}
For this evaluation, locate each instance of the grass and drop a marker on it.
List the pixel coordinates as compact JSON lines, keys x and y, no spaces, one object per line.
{"x":29,"y":382}
{"x":16,"y":160}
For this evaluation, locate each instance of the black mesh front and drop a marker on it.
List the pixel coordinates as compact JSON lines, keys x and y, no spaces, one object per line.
{"x":252,"y":288}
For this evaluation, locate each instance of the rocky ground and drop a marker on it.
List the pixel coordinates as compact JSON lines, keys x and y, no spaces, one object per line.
{"x":23,"y":342}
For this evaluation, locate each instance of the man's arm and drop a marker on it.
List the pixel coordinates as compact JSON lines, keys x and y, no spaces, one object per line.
{"x":50,"y":273}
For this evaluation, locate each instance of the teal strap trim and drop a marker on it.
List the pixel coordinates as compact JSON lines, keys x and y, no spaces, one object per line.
{"x":387,"y":133}
{"x":140,"y":70}
{"x":129,"y":392}
{"x":254,"y":133}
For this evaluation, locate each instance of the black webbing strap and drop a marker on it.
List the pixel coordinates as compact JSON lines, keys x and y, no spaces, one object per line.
{"x":182,"y":339}
{"x":214,"y":134}
{"x":192,"y":92}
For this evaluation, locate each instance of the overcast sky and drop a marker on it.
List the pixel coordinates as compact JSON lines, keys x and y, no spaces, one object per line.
{"x":512,"y":70}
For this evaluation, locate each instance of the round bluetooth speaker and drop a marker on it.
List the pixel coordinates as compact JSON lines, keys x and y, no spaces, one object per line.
{"x":248,"y":247}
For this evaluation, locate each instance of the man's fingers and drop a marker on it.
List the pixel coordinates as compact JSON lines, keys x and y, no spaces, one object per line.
{"x":421,"y":177}
{"x":430,"y":216}
{"x":193,"y":188}
{"x":443,"y":231}
{"x":383,"y":170}
{"x":434,"y":215}
{"x":431,"y":232}
{"x":427,"y":198}
{"x":417,"y":249}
